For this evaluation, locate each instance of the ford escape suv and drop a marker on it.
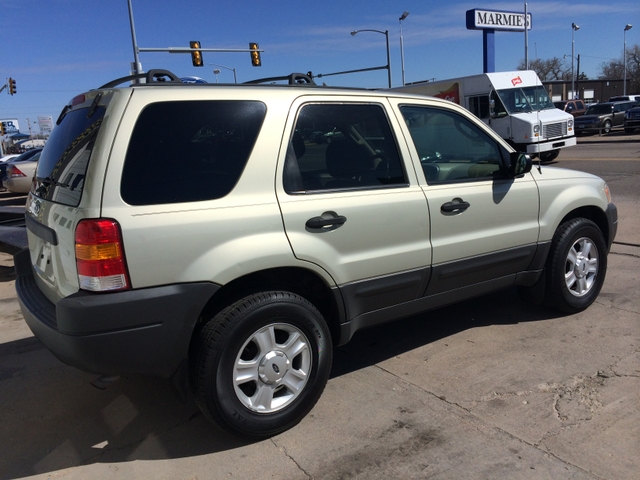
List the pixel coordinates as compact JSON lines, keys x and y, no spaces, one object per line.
{"x":204,"y":233}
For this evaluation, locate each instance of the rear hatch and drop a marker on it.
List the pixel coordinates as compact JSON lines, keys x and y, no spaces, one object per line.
{"x":63,"y":191}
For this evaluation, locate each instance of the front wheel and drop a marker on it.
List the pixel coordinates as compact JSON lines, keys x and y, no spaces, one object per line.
{"x":606,"y":128}
{"x":260,"y":365}
{"x":549,"y":156}
{"x":576,"y":266}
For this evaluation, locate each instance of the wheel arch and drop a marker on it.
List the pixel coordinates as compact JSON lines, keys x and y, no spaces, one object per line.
{"x":300,"y":281}
{"x":596,"y":215}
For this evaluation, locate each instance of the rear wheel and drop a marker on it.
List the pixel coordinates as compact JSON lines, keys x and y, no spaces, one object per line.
{"x":260,"y":365}
{"x":576,"y":266}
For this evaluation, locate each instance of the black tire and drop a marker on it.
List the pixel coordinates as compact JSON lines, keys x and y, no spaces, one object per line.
{"x":606,"y":128}
{"x":549,"y":156}
{"x":281,"y":343}
{"x":576,"y":266}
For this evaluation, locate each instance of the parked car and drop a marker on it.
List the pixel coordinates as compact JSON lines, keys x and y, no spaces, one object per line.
{"x":625,"y":98}
{"x":19,"y":174}
{"x":574,"y":107}
{"x":15,"y":157}
{"x":632,"y":119}
{"x":602,"y":117}
{"x":281,"y":249}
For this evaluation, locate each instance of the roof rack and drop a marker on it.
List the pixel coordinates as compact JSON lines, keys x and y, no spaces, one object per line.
{"x":152,"y":76}
{"x":293,"y":79}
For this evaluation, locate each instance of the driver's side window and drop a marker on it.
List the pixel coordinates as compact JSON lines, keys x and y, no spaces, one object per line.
{"x":451,"y":147}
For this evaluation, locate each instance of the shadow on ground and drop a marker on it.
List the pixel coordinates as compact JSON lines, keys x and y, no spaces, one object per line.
{"x":53,"y":419}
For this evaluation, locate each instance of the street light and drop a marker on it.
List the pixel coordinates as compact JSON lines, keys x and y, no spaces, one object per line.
{"x":402,"y":17}
{"x":574,"y":27}
{"x":235,"y":80}
{"x":628,"y":26}
{"x":386,"y":34}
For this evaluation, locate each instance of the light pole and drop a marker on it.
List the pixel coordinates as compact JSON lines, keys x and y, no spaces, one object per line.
{"x":628,"y":26}
{"x":574,"y":27}
{"x":235,"y":79}
{"x":386,"y":34}
{"x":136,"y":65}
{"x":402,"y":17}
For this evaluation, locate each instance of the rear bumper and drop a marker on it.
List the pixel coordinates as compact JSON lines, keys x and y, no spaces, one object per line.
{"x":144,"y":331}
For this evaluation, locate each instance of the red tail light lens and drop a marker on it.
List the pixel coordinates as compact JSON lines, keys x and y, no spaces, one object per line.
{"x":13,"y":171}
{"x":100,"y":256}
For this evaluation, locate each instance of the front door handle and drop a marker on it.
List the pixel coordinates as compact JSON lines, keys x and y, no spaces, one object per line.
{"x":456,"y":205}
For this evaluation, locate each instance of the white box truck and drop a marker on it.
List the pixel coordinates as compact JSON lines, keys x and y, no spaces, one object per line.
{"x":514,"y":104}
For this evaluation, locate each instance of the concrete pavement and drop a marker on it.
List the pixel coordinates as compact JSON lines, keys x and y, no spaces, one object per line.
{"x":490,"y":388}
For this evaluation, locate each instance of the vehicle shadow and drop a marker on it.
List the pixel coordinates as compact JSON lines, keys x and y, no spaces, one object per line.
{"x":53,"y":419}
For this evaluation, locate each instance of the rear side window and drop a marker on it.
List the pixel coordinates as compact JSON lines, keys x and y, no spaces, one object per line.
{"x":63,"y":163}
{"x":188,"y":151}
{"x":342,"y":146}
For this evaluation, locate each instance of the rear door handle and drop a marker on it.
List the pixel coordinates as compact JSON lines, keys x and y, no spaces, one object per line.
{"x":456,"y":205}
{"x":325,"y":222}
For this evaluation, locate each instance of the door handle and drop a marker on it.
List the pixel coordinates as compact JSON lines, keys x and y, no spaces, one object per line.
{"x":456,"y":205}
{"x":325,"y":222}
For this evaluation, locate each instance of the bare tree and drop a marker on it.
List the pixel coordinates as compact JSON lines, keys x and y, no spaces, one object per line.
{"x":551,"y":69}
{"x":615,"y":69}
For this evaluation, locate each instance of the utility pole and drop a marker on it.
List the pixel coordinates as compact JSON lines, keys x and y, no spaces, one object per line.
{"x":136,"y":65}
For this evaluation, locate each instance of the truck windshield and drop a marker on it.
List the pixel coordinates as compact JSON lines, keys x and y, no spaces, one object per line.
{"x":526,"y":99}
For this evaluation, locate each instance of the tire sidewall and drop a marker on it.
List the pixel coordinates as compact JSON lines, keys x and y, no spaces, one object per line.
{"x":275,"y":309}
{"x":576,"y":229}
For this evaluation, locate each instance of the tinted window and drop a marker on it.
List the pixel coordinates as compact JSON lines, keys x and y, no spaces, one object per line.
{"x":189,"y":151}
{"x":451,"y":148}
{"x":337,"y":146}
{"x":600,"y":109}
{"x":63,"y":163}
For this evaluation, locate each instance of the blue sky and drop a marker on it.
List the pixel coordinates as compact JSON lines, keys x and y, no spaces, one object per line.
{"x":55,"y":49}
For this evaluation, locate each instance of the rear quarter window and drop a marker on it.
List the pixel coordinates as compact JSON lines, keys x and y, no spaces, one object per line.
{"x":63,"y":163}
{"x":186,"y":151}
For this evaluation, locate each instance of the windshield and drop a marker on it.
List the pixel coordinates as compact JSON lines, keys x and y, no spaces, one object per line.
{"x":526,"y":99}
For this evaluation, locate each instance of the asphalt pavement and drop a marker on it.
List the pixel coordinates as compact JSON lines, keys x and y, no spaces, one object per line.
{"x":490,"y":388}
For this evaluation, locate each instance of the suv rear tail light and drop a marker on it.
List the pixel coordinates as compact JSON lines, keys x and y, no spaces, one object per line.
{"x":100,"y":257}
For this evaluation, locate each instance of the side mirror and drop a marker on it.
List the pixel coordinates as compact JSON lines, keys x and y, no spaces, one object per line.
{"x":492,"y":108}
{"x":520,"y":164}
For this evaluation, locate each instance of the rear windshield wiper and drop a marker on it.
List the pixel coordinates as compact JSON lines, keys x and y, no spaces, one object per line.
{"x":50,"y":181}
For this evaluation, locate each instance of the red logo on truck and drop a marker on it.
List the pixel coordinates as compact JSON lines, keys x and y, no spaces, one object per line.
{"x":452,"y":93}
{"x":516,"y":81}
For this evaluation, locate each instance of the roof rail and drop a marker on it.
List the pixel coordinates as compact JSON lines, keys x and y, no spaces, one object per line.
{"x":293,"y":79}
{"x":152,"y":76}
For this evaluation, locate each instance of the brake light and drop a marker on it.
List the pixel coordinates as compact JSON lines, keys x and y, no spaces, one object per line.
{"x":100,"y":257}
{"x":14,"y":171}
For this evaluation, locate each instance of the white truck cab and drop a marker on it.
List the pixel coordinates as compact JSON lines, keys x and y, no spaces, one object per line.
{"x":514,"y":104}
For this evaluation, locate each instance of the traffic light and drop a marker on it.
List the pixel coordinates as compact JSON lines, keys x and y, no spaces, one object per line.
{"x":255,"y":55}
{"x":196,"y":56}
{"x":12,"y":86}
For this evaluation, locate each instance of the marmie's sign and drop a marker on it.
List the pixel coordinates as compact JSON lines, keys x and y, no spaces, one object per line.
{"x":496,"y":20}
